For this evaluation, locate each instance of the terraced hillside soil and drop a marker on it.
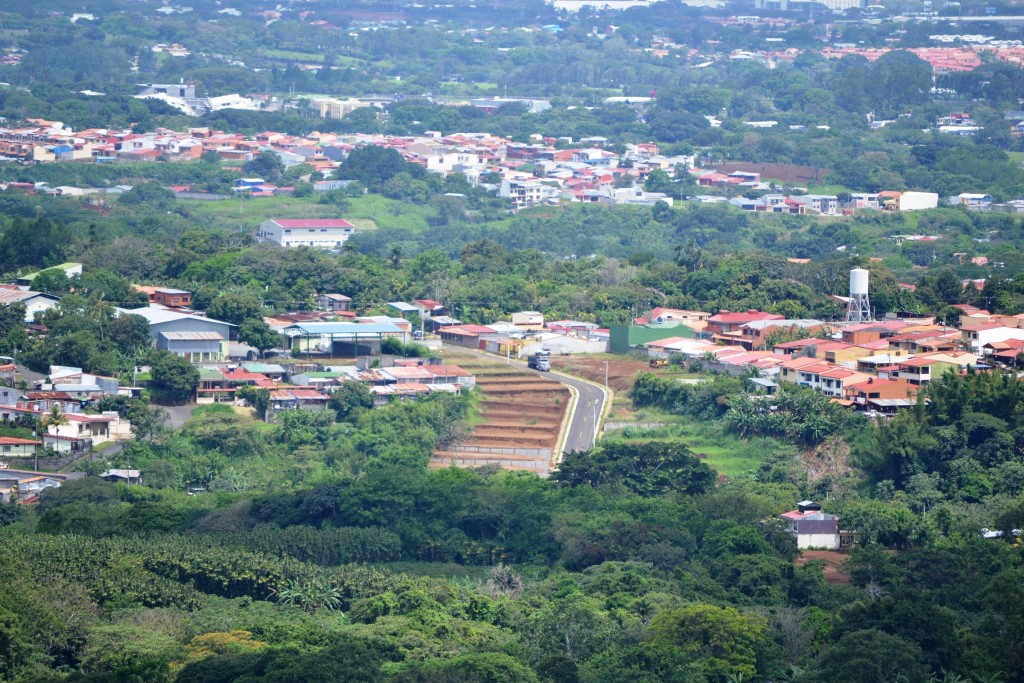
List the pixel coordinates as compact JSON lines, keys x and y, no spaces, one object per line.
{"x":521,"y":416}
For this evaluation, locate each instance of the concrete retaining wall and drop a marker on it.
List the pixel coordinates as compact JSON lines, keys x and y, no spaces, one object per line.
{"x":525,"y":452}
{"x":638,"y":425}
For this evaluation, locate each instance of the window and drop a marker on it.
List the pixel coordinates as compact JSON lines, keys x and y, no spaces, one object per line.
{"x":7,"y":449}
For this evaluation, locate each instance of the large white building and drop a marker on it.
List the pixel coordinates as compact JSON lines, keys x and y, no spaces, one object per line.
{"x":318,"y":233}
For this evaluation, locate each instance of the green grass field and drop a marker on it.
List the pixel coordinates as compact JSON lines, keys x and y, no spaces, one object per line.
{"x":368,"y":212}
{"x":728,"y":455}
{"x":827,"y":189}
{"x":292,"y":55}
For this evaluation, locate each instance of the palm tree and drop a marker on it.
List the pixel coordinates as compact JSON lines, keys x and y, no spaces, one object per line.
{"x":55,"y":418}
{"x":312,"y":595}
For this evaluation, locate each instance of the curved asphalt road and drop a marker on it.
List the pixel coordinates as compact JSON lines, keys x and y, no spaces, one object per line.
{"x":589,"y":408}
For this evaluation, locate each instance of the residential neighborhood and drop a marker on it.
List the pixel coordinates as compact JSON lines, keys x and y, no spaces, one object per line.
{"x":527,"y":175}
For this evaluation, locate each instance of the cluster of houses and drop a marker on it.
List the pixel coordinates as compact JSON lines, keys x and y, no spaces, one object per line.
{"x":874,"y":365}
{"x":831,"y":205}
{"x":70,"y":392}
{"x":542,"y":171}
{"x":308,"y":385}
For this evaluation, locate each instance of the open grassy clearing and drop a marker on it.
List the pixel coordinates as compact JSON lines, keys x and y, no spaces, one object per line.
{"x":728,"y":455}
{"x":367,"y":212}
{"x":294,"y":55}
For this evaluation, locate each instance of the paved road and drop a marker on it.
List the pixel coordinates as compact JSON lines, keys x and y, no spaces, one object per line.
{"x":583,"y":429}
{"x":179,"y":415}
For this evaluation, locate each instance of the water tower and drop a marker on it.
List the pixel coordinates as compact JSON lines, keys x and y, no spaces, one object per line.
{"x":859,"y":307}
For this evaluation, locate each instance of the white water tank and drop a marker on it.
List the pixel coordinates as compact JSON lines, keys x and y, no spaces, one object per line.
{"x":858,"y":282}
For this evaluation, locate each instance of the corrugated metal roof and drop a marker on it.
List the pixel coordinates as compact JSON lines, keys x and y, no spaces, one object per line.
{"x":817,"y":526}
{"x":312,"y":222}
{"x":156,"y":315}
{"x":11,"y":296}
{"x":192,"y":336}
{"x":313,"y":329}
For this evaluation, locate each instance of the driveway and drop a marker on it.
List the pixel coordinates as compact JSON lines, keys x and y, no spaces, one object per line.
{"x":179,"y":415}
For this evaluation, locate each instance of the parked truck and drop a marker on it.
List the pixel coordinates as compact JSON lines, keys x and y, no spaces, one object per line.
{"x":540,"y":360}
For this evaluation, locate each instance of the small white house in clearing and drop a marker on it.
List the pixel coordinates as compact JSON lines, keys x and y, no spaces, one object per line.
{"x":316,"y":233}
{"x":816,"y":529}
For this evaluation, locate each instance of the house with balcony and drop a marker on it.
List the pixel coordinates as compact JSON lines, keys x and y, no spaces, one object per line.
{"x":428,"y":308}
{"x":96,"y":428}
{"x":975,"y":337}
{"x":880,"y":394}
{"x":826,"y":204}
{"x":334,"y":303}
{"x":526,"y":192}
{"x":928,"y":367}
{"x":833,"y":383}
{"x":802,"y":370}
{"x":295,"y":399}
{"x":936,"y":338}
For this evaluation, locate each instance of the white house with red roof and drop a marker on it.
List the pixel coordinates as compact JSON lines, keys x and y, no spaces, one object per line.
{"x":316,"y":233}
{"x":11,"y":447}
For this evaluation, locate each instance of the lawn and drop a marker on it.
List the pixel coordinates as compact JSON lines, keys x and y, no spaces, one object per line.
{"x":213,"y":409}
{"x":728,"y":455}
{"x":294,"y":56}
{"x":367,"y":212}
{"x":391,"y":213}
{"x":827,"y":189}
